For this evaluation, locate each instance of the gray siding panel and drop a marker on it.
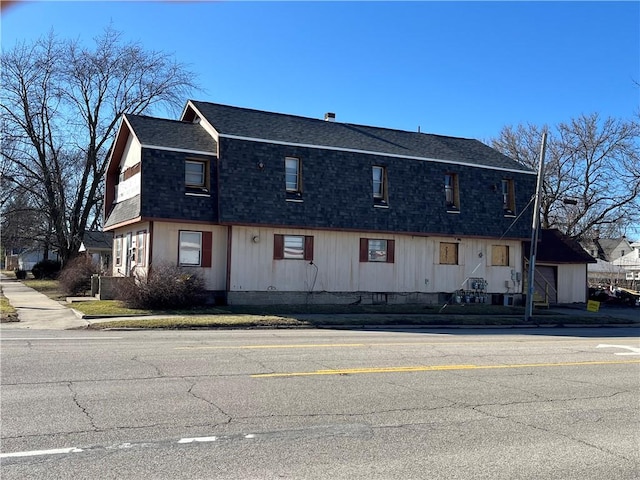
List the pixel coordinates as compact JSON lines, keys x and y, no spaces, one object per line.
{"x":163,"y":190}
{"x":337,"y":193}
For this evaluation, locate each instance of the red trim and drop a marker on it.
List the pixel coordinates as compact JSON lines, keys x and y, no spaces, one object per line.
{"x":364,"y":249}
{"x":278,"y":247}
{"x":308,"y":248}
{"x":207,"y":243}
{"x":391,"y":254}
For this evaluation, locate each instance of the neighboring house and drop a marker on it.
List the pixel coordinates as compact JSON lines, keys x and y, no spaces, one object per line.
{"x":276,"y":208}
{"x":604,"y":273}
{"x":631,"y":264}
{"x":561,"y":270}
{"x":608,"y":249}
{"x":26,"y":258}
{"x":99,"y":246}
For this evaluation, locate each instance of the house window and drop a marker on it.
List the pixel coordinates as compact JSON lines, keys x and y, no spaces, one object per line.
{"x":195,"y":249}
{"x":500,"y":255}
{"x":118,"y":251}
{"x":380,"y":196}
{"x":195,"y":174}
{"x":293,"y":177}
{"x":508,"y":197}
{"x":451,"y":196}
{"x":141,"y":253}
{"x":293,"y":247}
{"x":377,"y":250}
{"x":448,"y":253}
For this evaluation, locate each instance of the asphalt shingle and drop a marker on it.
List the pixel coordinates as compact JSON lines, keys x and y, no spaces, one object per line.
{"x":174,"y":134}
{"x":278,"y":127}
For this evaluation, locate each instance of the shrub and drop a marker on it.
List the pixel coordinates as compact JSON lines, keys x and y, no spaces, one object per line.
{"x":165,"y":287}
{"x":46,"y":269}
{"x":75,"y":278}
{"x":20,"y":274}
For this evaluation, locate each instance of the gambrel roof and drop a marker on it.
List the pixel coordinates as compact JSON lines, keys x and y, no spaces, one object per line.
{"x":257,"y":125}
{"x":172,"y":134}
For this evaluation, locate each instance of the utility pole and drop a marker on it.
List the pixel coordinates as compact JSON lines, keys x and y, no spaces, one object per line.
{"x":528,"y":315}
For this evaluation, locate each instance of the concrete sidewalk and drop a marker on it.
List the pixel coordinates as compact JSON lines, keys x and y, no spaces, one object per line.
{"x":36,"y":310}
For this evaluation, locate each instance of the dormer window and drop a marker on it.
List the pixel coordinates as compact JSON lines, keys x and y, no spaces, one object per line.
{"x":508,"y":197}
{"x":451,"y":195}
{"x":196,"y":177}
{"x":293,"y":177}
{"x":380,"y":191}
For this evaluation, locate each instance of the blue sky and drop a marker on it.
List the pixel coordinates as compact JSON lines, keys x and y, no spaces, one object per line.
{"x":454,"y":68}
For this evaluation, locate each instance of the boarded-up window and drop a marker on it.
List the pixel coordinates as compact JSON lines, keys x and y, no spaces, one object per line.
{"x":293,"y":247}
{"x":500,"y":255}
{"x":448,"y":253}
{"x":377,"y":250}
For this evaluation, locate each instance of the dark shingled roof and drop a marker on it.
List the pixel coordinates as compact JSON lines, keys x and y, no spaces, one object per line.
{"x":268,"y":126}
{"x":554,"y":247}
{"x":93,"y":240}
{"x":160,"y":132}
{"x":123,"y":211}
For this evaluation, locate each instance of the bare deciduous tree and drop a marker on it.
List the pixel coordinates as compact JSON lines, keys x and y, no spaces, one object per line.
{"x":60,"y":106}
{"x":591,"y":182}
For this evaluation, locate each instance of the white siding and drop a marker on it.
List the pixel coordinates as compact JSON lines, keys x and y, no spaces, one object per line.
{"x":336,"y":266}
{"x":130,"y":187}
{"x":165,"y":249}
{"x":132,"y":153}
{"x":572,"y":283}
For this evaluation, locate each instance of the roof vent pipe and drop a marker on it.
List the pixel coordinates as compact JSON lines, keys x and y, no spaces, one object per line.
{"x":329,"y":117}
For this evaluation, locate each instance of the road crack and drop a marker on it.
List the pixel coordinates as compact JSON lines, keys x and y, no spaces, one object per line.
{"x":84,"y":410}
{"x":159,"y":372}
{"x":209,"y":402}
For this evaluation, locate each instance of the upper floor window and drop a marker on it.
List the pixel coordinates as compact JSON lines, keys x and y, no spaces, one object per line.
{"x":293,"y":176}
{"x":451,"y":196}
{"x":380,"y":192}
{"x":448,"y":253}
{"x":500,"y":255}
{"x":195,"y":174}
{"x":293,"y":247}
{"x":377,"y":250}
{"x":508,"y":197}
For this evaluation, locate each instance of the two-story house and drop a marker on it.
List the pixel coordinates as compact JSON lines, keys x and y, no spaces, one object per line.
{"x":277,"y":208}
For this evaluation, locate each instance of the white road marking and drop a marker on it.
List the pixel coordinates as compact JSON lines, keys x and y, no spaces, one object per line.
{"x":197,"y":439}
{"x":30,"y":339}
{"x":633,"y":350}
{"x":33,"y":453}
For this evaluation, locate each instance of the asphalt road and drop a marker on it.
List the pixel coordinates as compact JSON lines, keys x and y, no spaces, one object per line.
{"x":321,"y":404}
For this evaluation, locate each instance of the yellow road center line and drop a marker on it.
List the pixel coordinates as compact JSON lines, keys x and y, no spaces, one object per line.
{"x":428,"y":368}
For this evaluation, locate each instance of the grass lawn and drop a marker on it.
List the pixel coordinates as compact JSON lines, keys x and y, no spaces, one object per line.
{"x":7,"y":312}
{"x":301,"y":316}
